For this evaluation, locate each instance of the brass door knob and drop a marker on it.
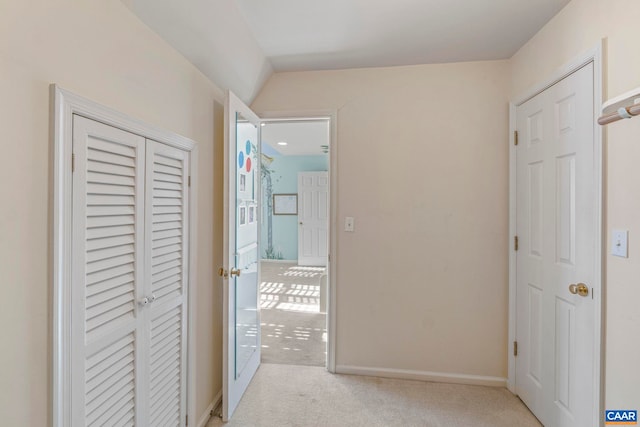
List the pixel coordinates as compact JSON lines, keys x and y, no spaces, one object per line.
{"x":234,"y":272}
{"x":579,"y":289}
{"x":223,"y":273}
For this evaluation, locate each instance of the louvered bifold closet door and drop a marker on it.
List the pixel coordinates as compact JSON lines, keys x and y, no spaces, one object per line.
{"x":167,"y":176}
{"x":107,"y":281}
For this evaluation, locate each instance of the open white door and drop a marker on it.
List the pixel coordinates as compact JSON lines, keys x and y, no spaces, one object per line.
{"x":241,"y":317}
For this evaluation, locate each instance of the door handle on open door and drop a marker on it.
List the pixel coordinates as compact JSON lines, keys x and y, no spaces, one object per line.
{"x":233,"y":272}
{"x":579,"y":289}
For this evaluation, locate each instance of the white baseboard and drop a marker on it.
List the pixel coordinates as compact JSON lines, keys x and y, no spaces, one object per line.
{"x":441,"y":377}
{"x":204,"y":419}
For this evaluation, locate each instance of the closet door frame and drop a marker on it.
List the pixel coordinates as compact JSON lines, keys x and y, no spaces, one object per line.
{"x":64,"y":105}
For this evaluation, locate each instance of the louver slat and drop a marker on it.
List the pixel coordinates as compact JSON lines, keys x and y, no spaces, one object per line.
{"x":103,"y":211}
{"x":110,"y":263}
{"x":161,"y":243}
{"x":164,"y":185}
{"x":113,"y":293}
{"x":167,"y":249}
{"x":166,"y":273}
{"x":110,"y":284}
{"x":110,"y":189}
{"x":110,"y":230}
{"x":102,"y":254}
{"x":111,"y":221}
{"x":161,"y":259}
{"x":164,"y":171}
{"x":110,"y":242}
{"x":168,"y":225}
{"x":110,"y":169}
{"x":112,"y":158}
{"x":166,"y":234}
{"x":110,"y":179}
{"x":104,"y":275}
{"x":161,"y":218}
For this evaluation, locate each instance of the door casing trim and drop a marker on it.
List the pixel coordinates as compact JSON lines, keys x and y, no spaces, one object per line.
{"x":595,"y":56}
{"x":332,"y":115}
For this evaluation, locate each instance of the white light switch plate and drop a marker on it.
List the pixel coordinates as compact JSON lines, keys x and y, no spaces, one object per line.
{"x":349,"y":224}
{"x":619,"y":243}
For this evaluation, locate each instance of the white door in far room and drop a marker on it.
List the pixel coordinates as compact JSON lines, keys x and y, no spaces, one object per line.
{"x":313,"y":218}
{"x":557,"y":206}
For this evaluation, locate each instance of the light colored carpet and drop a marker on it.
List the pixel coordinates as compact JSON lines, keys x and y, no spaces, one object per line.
{"x":293,"y":329}
{"x":305,"y":396}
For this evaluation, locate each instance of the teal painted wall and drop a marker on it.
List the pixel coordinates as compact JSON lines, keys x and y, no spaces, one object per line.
{"x":284,"y":178}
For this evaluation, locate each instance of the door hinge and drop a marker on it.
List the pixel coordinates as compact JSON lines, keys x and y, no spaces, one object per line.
{"x":186,"y":422}
{"x":73,"y":162}
{"x":515,"y":243}
{"x":515,"y":348}
{"x":515,"y":137}
{"x":189,"y":180}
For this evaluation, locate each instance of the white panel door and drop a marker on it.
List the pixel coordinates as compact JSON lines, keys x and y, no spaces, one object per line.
{"x":166,"y":266}
{"x":313,"y":218}
{"x":556,"y":227}
{"x":107,"y":275}
{"x":241,"y":315}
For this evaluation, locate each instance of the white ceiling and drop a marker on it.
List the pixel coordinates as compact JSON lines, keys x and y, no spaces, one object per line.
{"x":239,"y":43}
{"x":214,"y":36}
{"x":303,"y":138}
{"x":335,"y":34}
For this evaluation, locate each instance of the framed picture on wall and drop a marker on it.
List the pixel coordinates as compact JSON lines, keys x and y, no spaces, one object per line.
{"x":243,"y":215}
{"x":252,"y":214}
{"x":243,"y":182}
{"x":285,"y":204}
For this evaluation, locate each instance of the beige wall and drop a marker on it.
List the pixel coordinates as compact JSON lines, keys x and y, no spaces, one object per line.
{"x":423,"y":168}
{"x":579,"y":27}
{"x":100,"y":50}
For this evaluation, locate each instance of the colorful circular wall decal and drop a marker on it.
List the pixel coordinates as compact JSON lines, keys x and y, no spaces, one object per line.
{"x":240,"y":159}
{"x":248,"y":164}
{"x":248,"y":147}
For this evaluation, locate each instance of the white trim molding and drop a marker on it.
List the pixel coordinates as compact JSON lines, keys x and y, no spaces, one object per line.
{"x":208,"y":412}
{"x":64,"y":105}
{"x":594,"y":56}
{"x":193,"y":285}
{"x":439,"y":377}
{"x":332,"y":264}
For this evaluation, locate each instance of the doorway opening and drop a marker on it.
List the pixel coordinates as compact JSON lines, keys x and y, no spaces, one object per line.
{"x":295,"y":218}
